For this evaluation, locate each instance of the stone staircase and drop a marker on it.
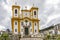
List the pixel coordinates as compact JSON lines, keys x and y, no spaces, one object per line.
{"x":33,"y":38}
{"x":26,"y":36}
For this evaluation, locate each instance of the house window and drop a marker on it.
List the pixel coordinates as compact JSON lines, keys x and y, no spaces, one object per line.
{"x":34,"y":12}
{"x":15,"y":23}
{"x":50,"y":32}
{"x":15,"y":30}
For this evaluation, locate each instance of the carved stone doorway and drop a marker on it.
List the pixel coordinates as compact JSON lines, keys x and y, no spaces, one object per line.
{"x":26,"y":31}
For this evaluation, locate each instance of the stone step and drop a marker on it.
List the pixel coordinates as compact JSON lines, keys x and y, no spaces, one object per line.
{"x":27,"y":36}
{"x":36,"y":38}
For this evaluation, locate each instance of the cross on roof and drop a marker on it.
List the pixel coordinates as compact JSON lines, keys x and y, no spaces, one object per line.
{"x":33,"y":4}
{"x":15,"y":3}
{"x":25,"y":7}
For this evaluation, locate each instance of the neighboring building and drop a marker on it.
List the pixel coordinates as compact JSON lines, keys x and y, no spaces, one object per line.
{"x":48,"y":31}
{"x":52,"y":30}
{"x":25,"y":22}
{"x":58,"y":28}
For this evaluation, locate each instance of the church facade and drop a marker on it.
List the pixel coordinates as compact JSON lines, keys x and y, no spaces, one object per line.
{"x":25,"y":22}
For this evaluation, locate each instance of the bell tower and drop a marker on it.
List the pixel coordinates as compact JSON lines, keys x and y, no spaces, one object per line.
{"x":15,"y":16}
{"x":15,"y":11}
{"x":34,"y":11}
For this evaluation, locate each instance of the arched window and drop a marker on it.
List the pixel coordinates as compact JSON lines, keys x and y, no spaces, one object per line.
{"x":35,"y":24}
{"x":15,"y":11}
{"x":26,"y":21}
{"x":15,"y":23}
{"x":15,"y":30}
{"x":30,"y":23}
{"x":34,"y":12}
{"x":21,"y":23}
{"x":35,"y":30}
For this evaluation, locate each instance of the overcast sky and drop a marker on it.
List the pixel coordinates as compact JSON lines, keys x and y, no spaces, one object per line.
{"x":48,"y":14}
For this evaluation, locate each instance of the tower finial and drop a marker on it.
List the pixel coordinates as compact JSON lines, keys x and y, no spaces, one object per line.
{"x":15,"y":3}
{"x":33,"y":5}
{"x":25,"y":7}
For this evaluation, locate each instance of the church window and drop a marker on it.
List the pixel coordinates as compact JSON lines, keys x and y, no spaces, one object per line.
{"x":34,"y":12}
{"x":26,"y":21}
{"x":15,"y":12}
{"x":15,"y":23}
{"x":31,"y":29}
{"x":15,"y":30}
{"x":30,"y":23}
{"x":22,"y":30}
{"x":35,"y":24}
{"x":35,"y":30}
{"x":21,"y":23}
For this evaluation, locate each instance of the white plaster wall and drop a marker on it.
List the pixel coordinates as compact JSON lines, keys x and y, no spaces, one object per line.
{"x":52,"y":30}
{"x":30,"y":30}
{"x":27,"y":22}
{"x":31,"y":14}
{"x":35,"y":27}
{"x":28,"y":14}
{"x":20,"y":15}
{"x":58,"y":32}
{"x":21,"y":27}
{"x":16,"y":27}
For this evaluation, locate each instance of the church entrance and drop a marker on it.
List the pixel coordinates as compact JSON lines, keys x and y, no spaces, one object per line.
{"x":26,"y":31}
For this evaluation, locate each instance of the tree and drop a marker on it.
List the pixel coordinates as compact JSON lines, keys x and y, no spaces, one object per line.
{"x":5,"y":36}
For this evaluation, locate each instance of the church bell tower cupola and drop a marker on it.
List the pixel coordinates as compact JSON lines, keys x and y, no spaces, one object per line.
{"x":15,"y":11}
{"x":34,"y":11}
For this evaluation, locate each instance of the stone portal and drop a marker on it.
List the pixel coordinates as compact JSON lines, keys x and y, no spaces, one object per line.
{"x":26,"y":31}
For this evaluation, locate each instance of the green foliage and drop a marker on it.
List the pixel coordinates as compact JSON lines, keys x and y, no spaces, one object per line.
{"x":53,"y":37}
{"x":0,"y":38}
{"x":48,"y":36}
{"x":4,"y":36}
{"x":58,"y":37}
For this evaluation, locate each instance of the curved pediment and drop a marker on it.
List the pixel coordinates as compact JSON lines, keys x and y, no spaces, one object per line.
{"x":30,"y":19}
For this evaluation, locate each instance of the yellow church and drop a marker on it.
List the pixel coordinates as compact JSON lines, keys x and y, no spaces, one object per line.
{"x":25,"y":22}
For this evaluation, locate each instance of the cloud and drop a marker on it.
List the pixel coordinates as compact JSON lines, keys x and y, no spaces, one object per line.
{"x":48,"y":11}
{"x":53,"y":17}
{"x":2,"y":28}
{"x":5,"y":14}
{"x":51,"y":10}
